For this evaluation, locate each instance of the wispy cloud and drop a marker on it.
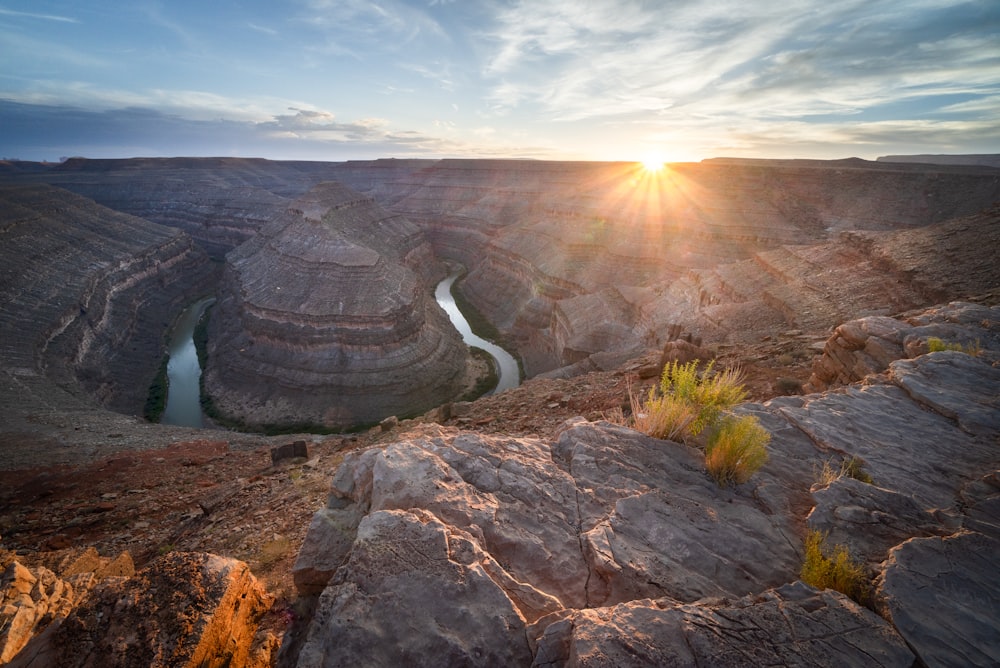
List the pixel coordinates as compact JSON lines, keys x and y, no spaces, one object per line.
{"x":262,"y":29}
{"x":43,"y":17}
{"x":573,"y":61}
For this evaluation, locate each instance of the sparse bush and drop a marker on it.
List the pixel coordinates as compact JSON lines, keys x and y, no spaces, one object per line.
{"x":687,"y":403}
{"x":852,"y":467}
{"x":786,"y":386}
{"x":936,"y":345}
{"x":274,"y":551}
{"x":833,"y":568}
{"x":708,"y":394}
{"x":663,"y":417}
{"x":736,"y":449}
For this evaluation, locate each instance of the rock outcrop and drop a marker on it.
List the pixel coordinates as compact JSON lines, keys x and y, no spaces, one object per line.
{"x":866,"y":346}
{"x":608,"y":547}
{"x":328,"y":318}
{"x":181,"y":610}
{"x":87,"y":295}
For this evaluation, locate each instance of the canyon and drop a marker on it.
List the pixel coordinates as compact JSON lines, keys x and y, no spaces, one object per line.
{"x":568,"y":541}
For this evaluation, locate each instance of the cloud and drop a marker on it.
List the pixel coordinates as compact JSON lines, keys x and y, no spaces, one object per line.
{"x":262,"y":29}
{"x":46,"y":132}
{"x":574,"y":61}
{"x":43,"y":17}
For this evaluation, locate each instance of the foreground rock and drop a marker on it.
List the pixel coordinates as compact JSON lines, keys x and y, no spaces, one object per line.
{"x":607,"y":547}
{"x":182,"y":610}
{"x":328,"y":318}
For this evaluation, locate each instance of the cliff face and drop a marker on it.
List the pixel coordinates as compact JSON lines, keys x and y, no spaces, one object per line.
{"x":328,"y":317}
{"x":88,"y":295}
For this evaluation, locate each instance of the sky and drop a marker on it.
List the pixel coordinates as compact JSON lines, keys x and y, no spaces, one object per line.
{"x":677,"y":80}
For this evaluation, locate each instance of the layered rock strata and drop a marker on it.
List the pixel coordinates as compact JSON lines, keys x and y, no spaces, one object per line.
{"x":727,"y":249}
{"x":87,"y":297}
{"x":328,"y":318}
{"x":607,"y":547}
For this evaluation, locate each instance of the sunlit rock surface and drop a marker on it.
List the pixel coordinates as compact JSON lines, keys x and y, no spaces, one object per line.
{"x":603,"y":546}
{"x":183,"y":609}
{"x":328,"y":318}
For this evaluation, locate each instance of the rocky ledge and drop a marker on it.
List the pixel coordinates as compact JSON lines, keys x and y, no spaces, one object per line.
{"x":328,"y":318}
{"x":606,"y":547}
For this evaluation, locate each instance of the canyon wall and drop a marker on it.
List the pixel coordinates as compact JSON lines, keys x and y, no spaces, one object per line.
{"x":88,"y":295}
{"x":572,"y":260}
{"x":328,"y":317}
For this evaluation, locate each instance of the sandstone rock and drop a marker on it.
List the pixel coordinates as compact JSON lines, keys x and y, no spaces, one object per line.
{"x":869,"y":345}
{"x":956,"y":385}
{"x":416,"y":593}
{"x":790,"y":625}
{"x":943,"y":597}
{"x":182,"y":610}
{"x":30,"y":600}
{"x":328,"y":319}
{"x":869,"y":520}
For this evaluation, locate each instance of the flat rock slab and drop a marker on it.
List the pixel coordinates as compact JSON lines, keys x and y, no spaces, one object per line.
{"x":954,"y":384}
{"x":794,"y":625}
{"x":943,"y":595}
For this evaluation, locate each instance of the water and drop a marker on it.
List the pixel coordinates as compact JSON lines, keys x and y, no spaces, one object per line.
{"x":510,"y":375}
{"x":184,"y":372}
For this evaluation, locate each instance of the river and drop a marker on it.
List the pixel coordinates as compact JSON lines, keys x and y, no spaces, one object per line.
{"x":183,"y":405}
{"x":510,"y":374}
{"x":183,"y":370}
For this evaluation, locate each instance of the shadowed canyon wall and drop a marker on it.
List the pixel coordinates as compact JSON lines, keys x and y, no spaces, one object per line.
{"x":88,"y":295}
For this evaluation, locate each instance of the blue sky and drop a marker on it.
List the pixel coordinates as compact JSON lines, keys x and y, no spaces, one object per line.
{"x":553,"y":79}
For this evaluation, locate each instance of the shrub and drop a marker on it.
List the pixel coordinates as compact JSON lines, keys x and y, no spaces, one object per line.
{"x":663,"y":417}
{"x":736,"y":449}
{"x":709,"y":393}
{"x":936,"y":345}
{"x":834,"y":568}
{"x":687,"y":403}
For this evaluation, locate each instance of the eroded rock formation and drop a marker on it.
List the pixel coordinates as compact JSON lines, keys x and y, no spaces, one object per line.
{"x":87,"y":296}
{"x":181,"y":610}
{"x":607,"y":547}
{"x":328,"y":318}
{"x":730,"y":250}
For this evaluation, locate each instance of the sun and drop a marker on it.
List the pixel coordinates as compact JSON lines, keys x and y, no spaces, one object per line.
{"x":652,"y":162}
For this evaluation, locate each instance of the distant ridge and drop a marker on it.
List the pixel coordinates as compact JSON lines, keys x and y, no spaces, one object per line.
{"x":982,"y":159}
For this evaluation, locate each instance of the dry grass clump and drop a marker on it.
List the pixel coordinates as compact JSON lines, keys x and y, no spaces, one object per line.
{"x":936,"y":345}
{"x":687,"y":403}
{"x":736,"y":450}
{"x":833,"y":568}
{"x":852,"y":467}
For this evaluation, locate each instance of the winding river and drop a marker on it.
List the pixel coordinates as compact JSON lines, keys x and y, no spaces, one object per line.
{"x":510,"y":374}
{"x":183,"y":370}
{"x":183,"y":405}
